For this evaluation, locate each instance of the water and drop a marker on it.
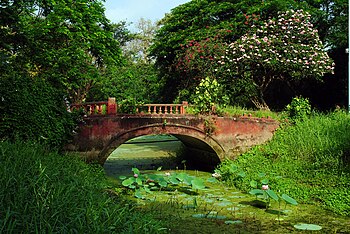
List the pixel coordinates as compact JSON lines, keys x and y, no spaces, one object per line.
{"x":145,"y":153}
{"x":214,"y":209}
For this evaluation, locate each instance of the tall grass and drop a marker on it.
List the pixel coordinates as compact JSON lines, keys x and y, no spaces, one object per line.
{"x":309,"y":160}
{"x":44,"y":192}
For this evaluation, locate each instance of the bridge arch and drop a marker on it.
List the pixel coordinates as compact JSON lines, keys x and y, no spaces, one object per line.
{"x":195,"y":139}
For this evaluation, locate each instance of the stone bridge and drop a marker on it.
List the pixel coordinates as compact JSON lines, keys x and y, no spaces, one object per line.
{"x":208,"y":139}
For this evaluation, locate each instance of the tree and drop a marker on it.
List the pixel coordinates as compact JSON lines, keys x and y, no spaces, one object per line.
{"x":68,"y":44}
{"x":286,"y":48}
{"x":50,"y":51}
{"x":137,"y":47}
{"x":137,"y":79}
{"x":194,"y":22}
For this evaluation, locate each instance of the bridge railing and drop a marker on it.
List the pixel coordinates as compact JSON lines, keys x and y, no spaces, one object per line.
{"x":163,"y":108}
{"x":92,"y":108}
{"x":110,"y":107}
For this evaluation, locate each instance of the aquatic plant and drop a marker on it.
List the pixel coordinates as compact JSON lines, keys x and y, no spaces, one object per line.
{"x":308,"y":227}
{"x":146,"y":183}
{"x":266,"y":193}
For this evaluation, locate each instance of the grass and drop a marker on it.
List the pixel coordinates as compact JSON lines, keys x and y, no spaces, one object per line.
{"x":309,"y":160}
{"x":45,"y":192}
{"x":236,"y":111}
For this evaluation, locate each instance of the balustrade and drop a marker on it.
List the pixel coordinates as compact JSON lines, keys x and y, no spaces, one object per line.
{"x":110,"y":107}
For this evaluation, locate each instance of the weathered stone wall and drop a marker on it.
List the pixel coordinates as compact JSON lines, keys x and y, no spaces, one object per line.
{"x":226,"y":137}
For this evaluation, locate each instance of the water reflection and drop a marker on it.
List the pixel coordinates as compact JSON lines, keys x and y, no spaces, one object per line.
{"x":146,"y":153}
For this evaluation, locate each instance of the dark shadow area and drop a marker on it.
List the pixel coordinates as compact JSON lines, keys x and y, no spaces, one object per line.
{"x":166,"y":151}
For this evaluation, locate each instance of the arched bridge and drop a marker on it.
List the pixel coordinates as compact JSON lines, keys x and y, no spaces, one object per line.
{"x":210,"y":139}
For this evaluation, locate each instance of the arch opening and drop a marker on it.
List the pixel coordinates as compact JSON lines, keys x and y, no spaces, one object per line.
{"x":169,"y":151}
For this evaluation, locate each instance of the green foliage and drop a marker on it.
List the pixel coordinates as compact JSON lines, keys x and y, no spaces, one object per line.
{"x":66,"y":44}
{"x":33,"y":110}
{"x":192,"y":31}
{"x":135,"y":79}
{"x":52,"y":53}
{"x":128,"y":106}
{"x":208,"y":97}
{"x":266,"y":193}
{"x":143,"y":184}
{"x":299,"y":109}
{"x":308,"y":161}
{"x":46,"y":192}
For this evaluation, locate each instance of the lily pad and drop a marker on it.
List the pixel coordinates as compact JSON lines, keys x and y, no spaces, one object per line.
{"x":233,"y":222}
{"x":306,"y":226}
{"x":256,"y":192}
{"x":237,"y":197}
{"x":187,"y":207}
{"x":214,"y":216}
{"x":139,"y":195}
{"x":289,"y":200}
{"x":233,"y":208}
{"x":225,"y":203}
{"x":199,"y":216}
{"x":128,"y":182}
{"x":197,"y":184}
{"x":253,"y":184}
{"x":212,"y":180}
{"x":272,"y":194}
{"x":209,"y":200}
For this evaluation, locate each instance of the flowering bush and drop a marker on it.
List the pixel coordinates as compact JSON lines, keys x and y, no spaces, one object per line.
{"x":199,"y":56}
{"x":286,"y":48}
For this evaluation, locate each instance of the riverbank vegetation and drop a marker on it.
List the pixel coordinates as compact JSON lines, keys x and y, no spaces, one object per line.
{"x":45,"y":192}
{"x":211,"y":53}
{"x":308,"y":160}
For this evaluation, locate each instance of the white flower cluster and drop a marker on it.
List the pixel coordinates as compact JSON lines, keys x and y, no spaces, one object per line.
{"x":287,"y":45}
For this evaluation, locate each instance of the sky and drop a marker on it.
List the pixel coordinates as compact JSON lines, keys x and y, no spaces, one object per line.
{"x":133,"y":10}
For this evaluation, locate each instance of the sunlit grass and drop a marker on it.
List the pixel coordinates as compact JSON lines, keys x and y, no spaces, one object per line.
{"x":237,"y":111}
{"x":309,"y":160}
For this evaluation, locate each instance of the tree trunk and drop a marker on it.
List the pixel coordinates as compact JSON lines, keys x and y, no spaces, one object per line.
{"x":259,"y":102}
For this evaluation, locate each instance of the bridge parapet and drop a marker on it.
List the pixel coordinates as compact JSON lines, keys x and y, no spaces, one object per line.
{"x":110,"y":107}
{"x":225,"y":137}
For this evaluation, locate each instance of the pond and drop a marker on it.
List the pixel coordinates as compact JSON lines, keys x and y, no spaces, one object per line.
{"x":192,"y":201}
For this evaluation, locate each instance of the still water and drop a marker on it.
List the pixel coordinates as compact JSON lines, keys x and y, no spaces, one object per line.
{"x":215,"y":209}
{"x":145,"y":153}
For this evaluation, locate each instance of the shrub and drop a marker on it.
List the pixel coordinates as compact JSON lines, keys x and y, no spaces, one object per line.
{"x":128,"y":106}
{"x":298,"y":109}
{"x":209,"y":98}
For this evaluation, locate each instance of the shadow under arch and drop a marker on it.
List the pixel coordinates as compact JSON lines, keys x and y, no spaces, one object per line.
{"x":201,"y":149}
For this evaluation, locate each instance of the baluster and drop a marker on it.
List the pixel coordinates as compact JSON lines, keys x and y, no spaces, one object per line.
{"x":165,"y":109}
{"x":176,"y":110}
{"x":154,"y":109}
{"x":149,"y":110}
{"x":92,"y":109}
{"x":99,"y":109}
